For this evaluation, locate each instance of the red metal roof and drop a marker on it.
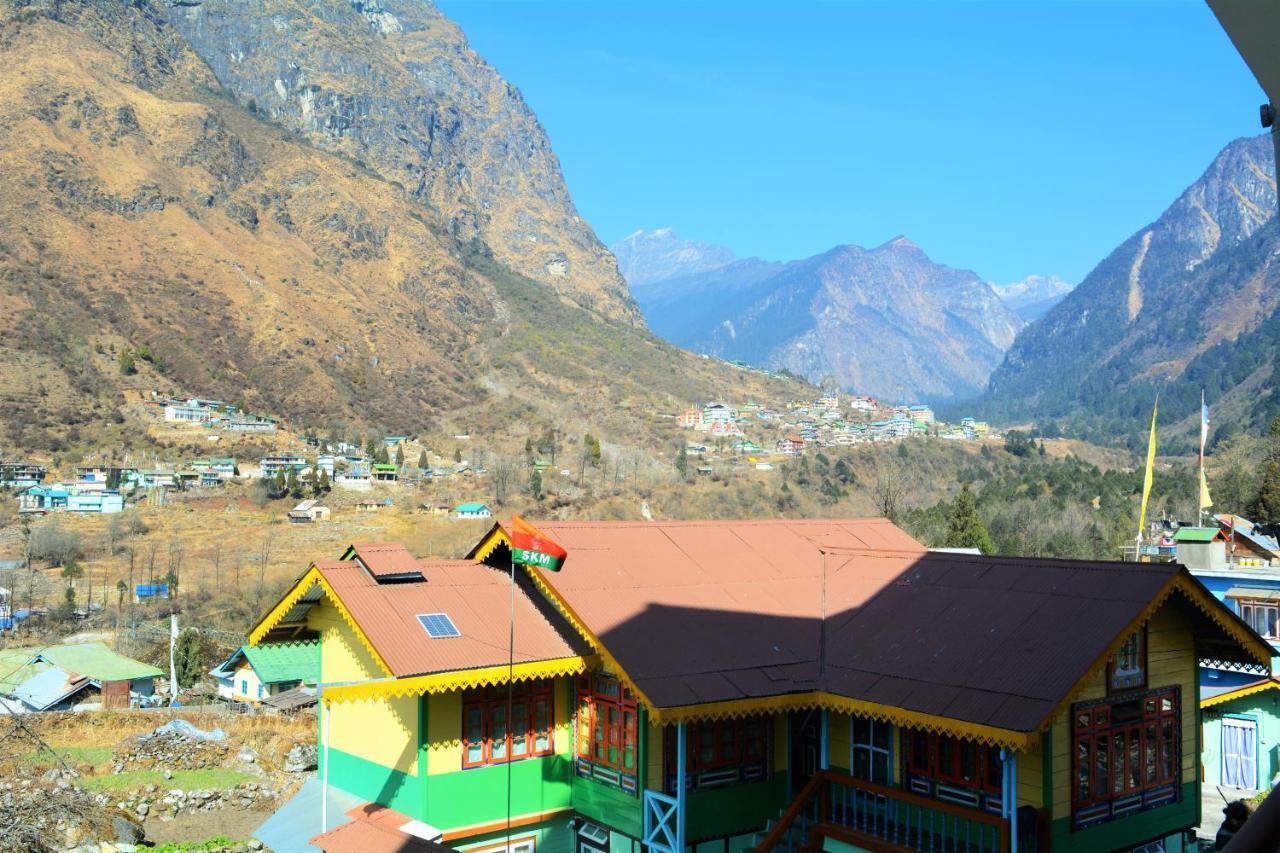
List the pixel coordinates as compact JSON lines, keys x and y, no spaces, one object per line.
{"x":474,"y":596}
{"x":384,"y":559}
{"x":375,"y":829}
{"x":707,"y":611}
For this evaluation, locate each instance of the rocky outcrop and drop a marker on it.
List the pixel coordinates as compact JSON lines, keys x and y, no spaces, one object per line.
{"x":1196,"y":284}
{"x":393,"y":86}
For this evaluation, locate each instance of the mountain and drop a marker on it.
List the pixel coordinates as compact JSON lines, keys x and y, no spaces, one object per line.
{"x":645,"y":257}
{"x":886,"y":321}
{"x":1031,"y":297}
{"x":1188,"y":301}
{"x":331,"y":212}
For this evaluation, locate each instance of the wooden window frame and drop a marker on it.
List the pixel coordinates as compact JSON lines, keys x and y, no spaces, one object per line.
{"x":597,"y":696}
{"x":1141,"y":634}
{"x":1158,"y":764}
{"x":489,"y":701}
{"x":727,"y":752}
{"x":531,"y":840}
{"x":1255,"y":604}
{"x":930,"y":765}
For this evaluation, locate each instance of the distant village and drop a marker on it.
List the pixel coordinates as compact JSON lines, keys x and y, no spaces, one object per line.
{"x":104,"y":488}
{"x":766,"y":435}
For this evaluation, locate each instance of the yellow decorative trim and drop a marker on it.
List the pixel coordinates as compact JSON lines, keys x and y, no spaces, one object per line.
{"x":448,"y":682}
{"x":611,"y":663}
{"x":733,"y":709}
{"x":1240,"y":693}
{"x":313,"y":578}
{"x":492,"y":540}
{"x":1198,"y":597}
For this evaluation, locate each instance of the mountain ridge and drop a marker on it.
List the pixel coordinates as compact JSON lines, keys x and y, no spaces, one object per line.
{"x":941,"y":330}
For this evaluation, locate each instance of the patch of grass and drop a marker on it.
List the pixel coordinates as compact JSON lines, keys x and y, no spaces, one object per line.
{"x":204,"y":778}
{"x":216,"y":843}
{"x":73,"y":755}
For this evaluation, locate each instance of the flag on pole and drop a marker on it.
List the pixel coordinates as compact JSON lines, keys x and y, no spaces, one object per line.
{"x":1205,"y":500}
{"x":1204,"y":427}
{"x":1151,"y":465}
{"x":531,"y":547}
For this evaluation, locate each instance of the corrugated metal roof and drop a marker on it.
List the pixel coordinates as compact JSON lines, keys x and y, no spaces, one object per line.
{"x":385,"y":559}
{"x":43,"y":691}
{"x":706,"y":611}
{"x":476,"y":598}
{"x":274,"y":663}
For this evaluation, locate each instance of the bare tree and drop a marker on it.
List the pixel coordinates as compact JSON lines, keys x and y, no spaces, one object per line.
{"x":890,"y":483}
{"x":501,"y":473}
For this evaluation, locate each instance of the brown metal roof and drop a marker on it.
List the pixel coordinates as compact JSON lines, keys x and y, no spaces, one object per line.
{"x":709,"y":611}
{"x":474,"y":596}
{"x":375,"y":829}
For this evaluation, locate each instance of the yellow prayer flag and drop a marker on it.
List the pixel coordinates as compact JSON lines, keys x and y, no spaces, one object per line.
{"x":1151,"y":464}
{"x":1205,"y":500}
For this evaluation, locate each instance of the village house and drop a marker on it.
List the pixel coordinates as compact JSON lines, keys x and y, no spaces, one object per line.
{"x":250,"y":423}
{"x":275,"y":463}
{"x":385,"y":473}
{"x":923,"y":414}
{"x":792,"y":445}
{"x":21,"y":475}
{"x":472,"y":509}
{"x":372,"y":504}
{"x":85,"y":676}
{"x":214,"y":471}
{"x":187,"y":413}
{"x":863,"y":403}
{"x":763,"y":684}
{"x":63,"y":497}
{"x":254,"y":673}
{"x":308,"y":511}
{"x":717,"y":413}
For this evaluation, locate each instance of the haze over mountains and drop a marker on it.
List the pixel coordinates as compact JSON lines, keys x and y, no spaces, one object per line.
{"x":886,"y":321}
{"x":329,"y":210}
{"x":1190,"y":301}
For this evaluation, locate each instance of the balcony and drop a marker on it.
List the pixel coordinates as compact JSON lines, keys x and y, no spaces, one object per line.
{"x":878,"y":818}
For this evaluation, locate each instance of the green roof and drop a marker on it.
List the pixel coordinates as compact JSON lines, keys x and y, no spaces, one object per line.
{"x":1195,"y":534}
{"x":92,"y":659}
{"x":381,"y":466}
{"x":277,"y":662}
{"x":470,"y":507}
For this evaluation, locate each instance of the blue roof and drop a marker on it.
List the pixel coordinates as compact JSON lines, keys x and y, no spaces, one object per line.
{"x":298,"y":819}
{"x":470,"y":507}
{"x":49,"y":688}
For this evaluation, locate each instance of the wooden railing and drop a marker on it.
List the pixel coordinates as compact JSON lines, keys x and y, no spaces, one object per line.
{"x":876,"y":817}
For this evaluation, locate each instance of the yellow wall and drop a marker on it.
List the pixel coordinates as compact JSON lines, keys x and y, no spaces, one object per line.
{"x":1171,"y":660}
{"x":838,"y":740}
{"x":653,"y":761}
{"x":1031,"y":778}
{"x":383,"y":731}
{"x":250,"y":694}
{"x":444,"y":727}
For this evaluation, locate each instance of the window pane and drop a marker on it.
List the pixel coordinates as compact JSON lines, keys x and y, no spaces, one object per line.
{"x":968,"y":761}
{"x":880,"y":735}
{"x":995,"y":769}
{"x":1082,"y":770}
{"x":1117,"y":763}
{"x":1168,"y":750}
{"x":1101,"y":766}
{"x":1269,"y":622}
{"x":946,"y":757}
{"x":1135,"y":759}
{"x":862,"y":763}
{"x":861,"y":730}
{"x":498,"y":731}
{"x":880,"y":768}
{"x":519,"y":729}
{"x":1150,"y":754}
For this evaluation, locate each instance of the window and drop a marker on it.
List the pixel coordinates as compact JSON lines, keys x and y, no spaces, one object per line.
{"x":1125,"y":750}
{"x":871,"y":750}
{"x":607,"y":723}
{"x":489,"y":737}
{"x":958,"y":762}
{"x":1262,"y":616}
{"x":721,"y":752}
{"x":517,"y":845}
{"x":1127,"y":669}
{"x":244,"y":687}
{"x":259,"y":691}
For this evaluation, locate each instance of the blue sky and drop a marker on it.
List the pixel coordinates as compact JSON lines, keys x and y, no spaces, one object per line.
{"x":1010,"y":138}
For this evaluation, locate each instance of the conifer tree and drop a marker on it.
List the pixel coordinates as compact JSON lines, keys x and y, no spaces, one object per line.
{"x":292,"y":485}
{"x":1266,"y":506}
{"x":535,"y":484}
{"x":422,"y":461}
{"x":399,"y":456}
{"x":682,"y":462}
{"x":965,"y":528}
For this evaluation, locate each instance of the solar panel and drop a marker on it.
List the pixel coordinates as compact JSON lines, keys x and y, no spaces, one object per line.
{"x":438,"y":625}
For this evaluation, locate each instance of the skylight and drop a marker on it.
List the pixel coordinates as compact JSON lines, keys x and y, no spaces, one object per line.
{"x":438,"y":625}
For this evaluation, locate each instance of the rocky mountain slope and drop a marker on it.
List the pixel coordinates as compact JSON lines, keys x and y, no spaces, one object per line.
{"x":1188,"y":301}
{"x":280,"y":256}
{"x":886,"y":321}
{"x":1031,"y":297}
{"x":645,"y":257}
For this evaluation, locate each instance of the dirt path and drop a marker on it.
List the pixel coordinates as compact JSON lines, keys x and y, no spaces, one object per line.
{"x":234,"y":824}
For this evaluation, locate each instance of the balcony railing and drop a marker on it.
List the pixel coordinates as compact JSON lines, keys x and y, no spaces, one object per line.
{"x":876,"y":817}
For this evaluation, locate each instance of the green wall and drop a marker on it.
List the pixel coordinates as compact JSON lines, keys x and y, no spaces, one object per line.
{"x":479,"y":795}
{"x":1265,"y":709}
{"x":371,"y":781}
{"x":608,"y":805}
{"x":553,"y":836}
{"x":1128,"y":831}
{"x":734,"y":809}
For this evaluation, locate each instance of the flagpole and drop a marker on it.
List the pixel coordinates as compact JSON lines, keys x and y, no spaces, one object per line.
{"x":1199,"y":487}
{"x":511,"y":667}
